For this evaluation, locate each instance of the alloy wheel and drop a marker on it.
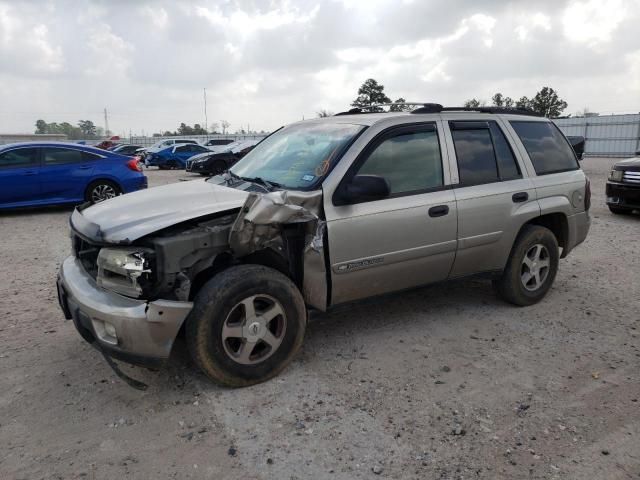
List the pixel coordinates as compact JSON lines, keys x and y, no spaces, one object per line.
{"x":535,"y":267}
{"x":102,"y":192}
{"x":254,"y":329}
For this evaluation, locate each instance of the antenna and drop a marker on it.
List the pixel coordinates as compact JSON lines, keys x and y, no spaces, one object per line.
{"x":106,"y":122}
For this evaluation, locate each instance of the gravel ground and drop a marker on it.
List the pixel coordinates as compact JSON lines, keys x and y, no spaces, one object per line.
{"x":442,"y":382}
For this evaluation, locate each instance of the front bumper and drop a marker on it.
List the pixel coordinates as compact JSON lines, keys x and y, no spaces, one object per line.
{"x":144,"y":331}
{"x":623,"y":195}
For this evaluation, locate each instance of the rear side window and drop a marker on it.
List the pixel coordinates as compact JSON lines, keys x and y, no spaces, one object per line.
{"x":410,"y":162}
{"x":548,"y":150}
{"x":483,"y":153}
{"x":62,"y":156}
{"x":20,"y":157}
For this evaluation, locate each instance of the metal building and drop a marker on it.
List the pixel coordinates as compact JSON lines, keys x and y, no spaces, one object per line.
{"x":31,"y":137}
{"x":605,"y":135}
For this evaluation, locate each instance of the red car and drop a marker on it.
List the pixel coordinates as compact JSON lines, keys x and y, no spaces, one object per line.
{"x":107,"y":144}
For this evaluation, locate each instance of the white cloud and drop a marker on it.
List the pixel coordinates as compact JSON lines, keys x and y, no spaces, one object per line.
{"x":269,"y":63}
{"x":593,"y":21}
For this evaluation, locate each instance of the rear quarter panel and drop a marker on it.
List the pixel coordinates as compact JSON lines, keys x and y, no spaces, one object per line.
{"x":114,"y":168}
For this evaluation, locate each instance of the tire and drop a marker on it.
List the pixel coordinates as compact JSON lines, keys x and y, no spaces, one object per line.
{"x":164,"y":167}
{"x":540,"y":246}
{"x":619,"y":210}
{"x":219,"y":336}
{"x":101,"y":190}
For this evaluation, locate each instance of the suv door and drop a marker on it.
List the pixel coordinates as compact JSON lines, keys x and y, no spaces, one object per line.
{"x":19,"y":175}
{"x":404,"y":240}
{"x":66,"y":173}
{"x":494,"y":199}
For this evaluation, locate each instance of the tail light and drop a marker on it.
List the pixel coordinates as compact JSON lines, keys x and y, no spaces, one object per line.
{"x":587,"y":194}
{"x":134,"y":164}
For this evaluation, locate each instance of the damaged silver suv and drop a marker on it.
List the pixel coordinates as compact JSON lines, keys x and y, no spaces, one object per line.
{"x":320,"y":213}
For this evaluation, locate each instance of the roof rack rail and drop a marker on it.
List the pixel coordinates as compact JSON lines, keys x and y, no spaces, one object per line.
{"x":512,"y":110}
{"x":423,"y":107}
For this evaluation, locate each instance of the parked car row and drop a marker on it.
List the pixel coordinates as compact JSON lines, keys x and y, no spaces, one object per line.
{"x":51,"y":173}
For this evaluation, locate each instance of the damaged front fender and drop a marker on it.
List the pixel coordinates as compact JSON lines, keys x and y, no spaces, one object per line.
{"x":289,"y":223}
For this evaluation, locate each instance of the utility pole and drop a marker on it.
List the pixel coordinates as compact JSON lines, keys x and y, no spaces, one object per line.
{"x":106,"y":122}
{"x":206,"y":121}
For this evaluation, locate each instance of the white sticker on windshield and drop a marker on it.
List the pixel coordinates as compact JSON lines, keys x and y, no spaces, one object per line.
{"x":308,"y":178}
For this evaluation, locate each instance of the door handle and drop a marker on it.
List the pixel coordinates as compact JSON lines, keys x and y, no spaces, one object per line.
{"x":520,"y":197}
{"x":439,"y":211}
{"x":84,"y":167}
{"x":30,"y":172}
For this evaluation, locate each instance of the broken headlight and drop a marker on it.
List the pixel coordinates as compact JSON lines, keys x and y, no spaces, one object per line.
{"x":125,"y":270}
{"x":616,"y":175}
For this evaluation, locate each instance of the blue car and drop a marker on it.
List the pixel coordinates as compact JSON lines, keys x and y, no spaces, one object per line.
{"x":47,"y":173}
{"x":175,"y":156}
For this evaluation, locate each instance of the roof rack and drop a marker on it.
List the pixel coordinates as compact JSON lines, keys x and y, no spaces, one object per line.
{"x":425,"y":107}
{"x":377,"y":108}
{"x":512,"y":110}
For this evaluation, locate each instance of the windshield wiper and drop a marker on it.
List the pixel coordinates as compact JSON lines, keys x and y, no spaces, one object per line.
{"x":270,"y":186}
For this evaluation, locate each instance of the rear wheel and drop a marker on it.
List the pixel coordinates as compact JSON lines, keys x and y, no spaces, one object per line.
{"x":619,"y":210}
{"x":246,"y":325}
{"x":102,"y":190}
{"x":531,"y":268}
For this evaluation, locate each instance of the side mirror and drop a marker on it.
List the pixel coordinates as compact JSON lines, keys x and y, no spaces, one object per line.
{"x":363,"y":188}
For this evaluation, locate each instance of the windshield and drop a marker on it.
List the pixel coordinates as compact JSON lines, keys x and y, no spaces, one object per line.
{"x":297,"y":156}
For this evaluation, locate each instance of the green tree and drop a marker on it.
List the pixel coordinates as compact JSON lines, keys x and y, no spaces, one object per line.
{"x":523,"y":103}
{"x":548,"y":103}
{"x":370,"y":93}
{"x":87,"y":128}
{"x":198,"y":130}
{"x":474,"y":103}
{"x":41,"y":127}
{"x":500,"y":101}
{"x":400,"y":108}
{"x":185,"y":129}
{"x":324,"y":113}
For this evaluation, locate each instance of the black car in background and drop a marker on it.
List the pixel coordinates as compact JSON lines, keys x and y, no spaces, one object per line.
{"x":214,"y":142}
{"x":217,"y":162}
{"x":623,"y":185}
{"x":577,"y":142}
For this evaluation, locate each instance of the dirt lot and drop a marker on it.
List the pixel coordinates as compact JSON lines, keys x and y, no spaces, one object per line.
{"x":443,"y":382}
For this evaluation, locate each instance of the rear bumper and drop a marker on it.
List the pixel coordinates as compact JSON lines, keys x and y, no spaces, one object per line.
{"x":622,"y":195}
{"x":135,"y":183}
{"x":144,"y":331}
{"x":579,"y":225}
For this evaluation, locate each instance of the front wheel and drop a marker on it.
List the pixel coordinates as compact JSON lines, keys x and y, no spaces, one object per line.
{"x":531,"y":268}
{"x":246,"y":325}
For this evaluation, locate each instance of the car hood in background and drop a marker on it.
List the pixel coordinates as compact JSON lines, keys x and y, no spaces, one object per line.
{"x":128,"y":217}
{"x":632,"y":163}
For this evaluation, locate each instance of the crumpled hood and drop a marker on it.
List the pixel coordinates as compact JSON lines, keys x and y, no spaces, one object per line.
{"x":128,"y":217}
{"x":632,"y":163}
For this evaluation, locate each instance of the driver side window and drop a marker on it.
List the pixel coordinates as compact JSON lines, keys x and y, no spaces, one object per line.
{"x":410,"y":162}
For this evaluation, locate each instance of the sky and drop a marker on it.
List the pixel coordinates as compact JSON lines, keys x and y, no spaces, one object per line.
{"x":268,"y":63}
